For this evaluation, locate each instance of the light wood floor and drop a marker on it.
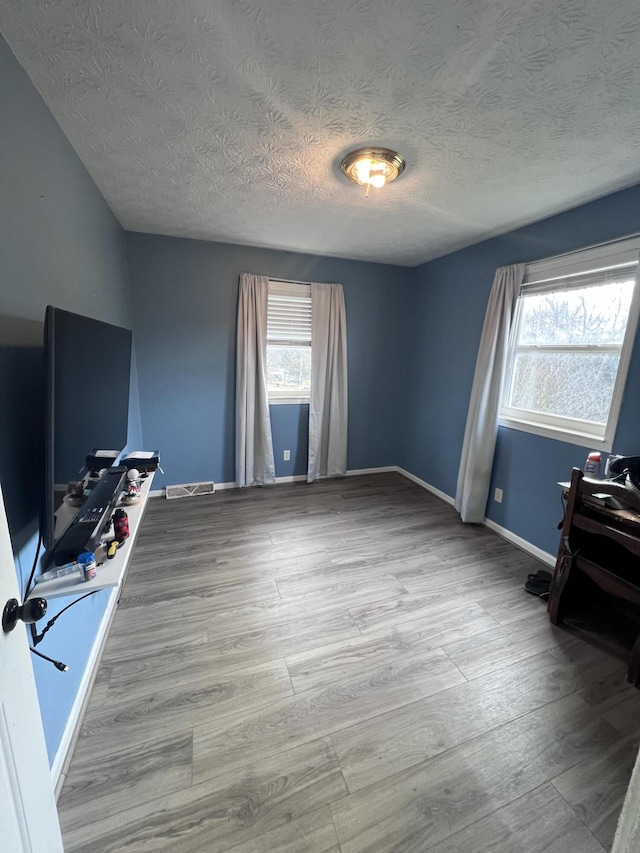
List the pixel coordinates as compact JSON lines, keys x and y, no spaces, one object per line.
{"x":341,"y":668}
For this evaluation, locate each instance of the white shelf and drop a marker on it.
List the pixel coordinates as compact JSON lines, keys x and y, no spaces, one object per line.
{"x":111,"y":573}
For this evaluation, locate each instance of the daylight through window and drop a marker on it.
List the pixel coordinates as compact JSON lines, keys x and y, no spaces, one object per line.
{"x":289,"y":342}
{"x":571,"y":344}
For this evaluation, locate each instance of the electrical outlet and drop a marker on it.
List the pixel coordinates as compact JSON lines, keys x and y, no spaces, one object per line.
{"x":286,"y":455}
{"x":497,"y":496}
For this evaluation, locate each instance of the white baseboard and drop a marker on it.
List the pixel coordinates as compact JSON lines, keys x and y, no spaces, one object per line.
{"x":442,"y":495}
{"x":352,"y":472}
{"x":299,"y":478}
{"x":516,"y":540}
{"x":357,"y":472}
{"x":296,"y":478}
{"x":519,"y":542}
{"x":74,"y":720}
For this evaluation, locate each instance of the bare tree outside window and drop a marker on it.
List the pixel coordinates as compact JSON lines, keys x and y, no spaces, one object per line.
{"x":591,"y":315}
{"x":566,"y":353}
{"x":289,"y":369}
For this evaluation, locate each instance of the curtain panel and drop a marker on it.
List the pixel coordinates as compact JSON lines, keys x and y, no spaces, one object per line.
{"x":476,"y":461}
{"x":254,"y":446}
{"x":328,"y":396}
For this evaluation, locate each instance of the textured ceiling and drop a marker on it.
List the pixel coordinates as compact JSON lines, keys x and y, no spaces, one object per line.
{"x":227,"y":119}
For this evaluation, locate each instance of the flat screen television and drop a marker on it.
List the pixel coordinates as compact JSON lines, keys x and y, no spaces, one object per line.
{"x":87,"y":371}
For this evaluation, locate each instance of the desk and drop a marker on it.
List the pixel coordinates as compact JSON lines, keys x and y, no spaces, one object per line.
{"x":603,"y":545}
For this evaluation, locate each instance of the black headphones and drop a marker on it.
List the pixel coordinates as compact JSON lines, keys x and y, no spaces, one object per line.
{"x":629,"y":465}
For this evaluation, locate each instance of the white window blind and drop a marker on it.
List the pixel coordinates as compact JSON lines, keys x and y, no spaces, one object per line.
{"x":581,"y":280}
{"x":610,"y":256}
{"x":289,"y":314}
{"x":289,"y":342}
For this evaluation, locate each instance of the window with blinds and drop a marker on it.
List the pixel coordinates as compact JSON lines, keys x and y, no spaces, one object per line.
{"x":571,"y":342}
{"x":289,"y":342}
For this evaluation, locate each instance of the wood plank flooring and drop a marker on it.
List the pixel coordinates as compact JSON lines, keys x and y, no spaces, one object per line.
{"x":343,"y":668}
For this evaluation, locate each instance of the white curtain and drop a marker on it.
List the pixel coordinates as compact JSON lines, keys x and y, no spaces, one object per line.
{"x":254,"y":447}
{"x":481,"y":431}
{"x":328,"y":397}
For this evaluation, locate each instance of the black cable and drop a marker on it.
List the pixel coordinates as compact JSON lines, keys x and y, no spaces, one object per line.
{"x":57,"y":663}
{"x":37,"y":638}
{"x":564,"y":509}
{"x":33,"y":568}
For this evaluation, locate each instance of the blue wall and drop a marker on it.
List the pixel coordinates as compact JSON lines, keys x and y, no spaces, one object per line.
{"x":185,"y":300}
{"x":450,"y":299}
{"x":412,"y":335}
{"x":59,"y":244}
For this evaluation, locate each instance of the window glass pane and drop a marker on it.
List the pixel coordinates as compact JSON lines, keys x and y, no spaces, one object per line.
{"x":585,"y":315}
{"x":289,"y":370}
{"x":568,"y":384}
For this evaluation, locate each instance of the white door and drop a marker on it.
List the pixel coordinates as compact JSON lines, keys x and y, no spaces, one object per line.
{"x":28,"y":816}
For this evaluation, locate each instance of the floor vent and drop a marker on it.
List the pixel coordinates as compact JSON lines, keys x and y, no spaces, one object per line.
{"x":190,"y":490}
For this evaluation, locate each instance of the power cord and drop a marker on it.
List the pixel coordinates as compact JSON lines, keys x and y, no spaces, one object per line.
{"x":563,"y":504}
{"x":38,"y":637}
{"x":57,"y":663}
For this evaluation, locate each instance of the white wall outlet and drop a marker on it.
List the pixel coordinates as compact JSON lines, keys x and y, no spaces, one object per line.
{"x":286,"y":455}
{"x":497,"y":496}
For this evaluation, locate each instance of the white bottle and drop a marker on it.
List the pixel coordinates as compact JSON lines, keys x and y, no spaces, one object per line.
{"x":592,"y":465}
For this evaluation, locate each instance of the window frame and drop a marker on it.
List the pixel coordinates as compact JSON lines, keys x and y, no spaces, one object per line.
{"x":296,"y":289}
{"x":554,"y":274}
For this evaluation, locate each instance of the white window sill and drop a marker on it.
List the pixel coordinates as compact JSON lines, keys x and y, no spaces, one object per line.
{"x":284,"y":401}
{"x":582,"y":439}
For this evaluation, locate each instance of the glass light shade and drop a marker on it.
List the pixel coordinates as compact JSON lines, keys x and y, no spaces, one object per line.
{"x":378,"y":180}
{"x":363,"y":171}
{"x":373,"y":167}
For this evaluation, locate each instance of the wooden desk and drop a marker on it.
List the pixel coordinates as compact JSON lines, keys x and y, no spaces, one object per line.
{"x":603,"y":545}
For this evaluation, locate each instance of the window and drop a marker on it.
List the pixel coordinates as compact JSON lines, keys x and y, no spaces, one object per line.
{"x":289,"y":342}
{"x":571,"y":342}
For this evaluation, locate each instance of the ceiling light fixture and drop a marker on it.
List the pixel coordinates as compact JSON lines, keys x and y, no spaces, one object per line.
{"x":373,"y":167}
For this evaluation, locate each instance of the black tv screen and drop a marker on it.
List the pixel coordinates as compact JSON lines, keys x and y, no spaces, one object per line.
{"x":87,"y":370}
